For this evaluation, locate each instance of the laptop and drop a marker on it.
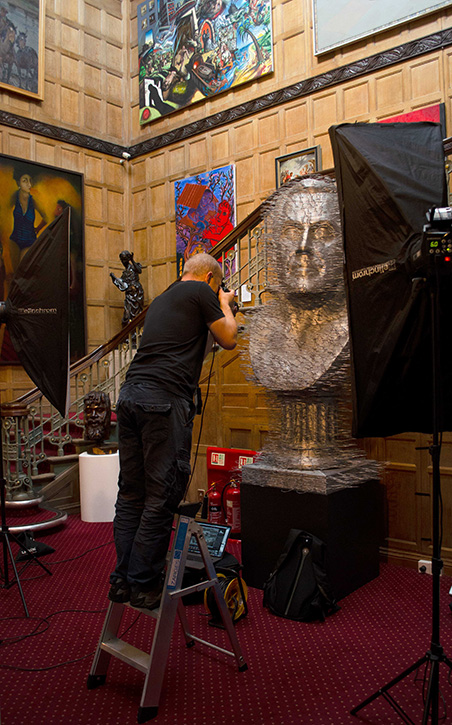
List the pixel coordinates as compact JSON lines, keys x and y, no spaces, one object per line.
{"x":216,"y":537}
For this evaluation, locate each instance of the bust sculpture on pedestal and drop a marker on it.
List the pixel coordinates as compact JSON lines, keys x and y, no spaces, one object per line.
{"x":299,"y":340}
{"x":311,"y":474}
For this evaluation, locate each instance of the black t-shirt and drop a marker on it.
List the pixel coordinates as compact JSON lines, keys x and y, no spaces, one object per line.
{"x":174,"y":338}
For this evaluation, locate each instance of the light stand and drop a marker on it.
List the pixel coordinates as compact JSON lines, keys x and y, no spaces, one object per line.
{"x":6,"y":536}
{"x":435,"y":655}
{"x":37,"y":310}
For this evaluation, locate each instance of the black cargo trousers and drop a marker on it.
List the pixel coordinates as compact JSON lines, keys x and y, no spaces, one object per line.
{"x":154,"y":433}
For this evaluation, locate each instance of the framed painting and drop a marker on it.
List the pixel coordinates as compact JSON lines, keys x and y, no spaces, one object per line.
{"x":205,"y":211}
{"x":435,"y":114}
{"x":344,"y":21}
{"x":297,"y":164}
{"x":192,"y":50}
{"x":31,"y":196}
{"x":22,"y":46}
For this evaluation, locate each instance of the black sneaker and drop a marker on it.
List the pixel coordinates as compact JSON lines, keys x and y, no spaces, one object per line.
{"x":146,"y":600}
{"x":119,"y":592}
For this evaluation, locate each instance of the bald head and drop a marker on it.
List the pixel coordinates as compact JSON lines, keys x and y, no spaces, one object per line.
{"x":199,"y":265}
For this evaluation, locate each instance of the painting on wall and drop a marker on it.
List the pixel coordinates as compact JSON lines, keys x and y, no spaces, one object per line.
{"x":205,"y":211}
{"x":195,"y":49}
{"x":345,"y":21}
{"x":22,"y":46}
{"x":31,"y":196}
{"x":297,"y":164}
{"x":435,"y":114}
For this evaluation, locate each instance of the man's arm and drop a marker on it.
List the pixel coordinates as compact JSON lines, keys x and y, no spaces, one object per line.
{"x":224,"y":330}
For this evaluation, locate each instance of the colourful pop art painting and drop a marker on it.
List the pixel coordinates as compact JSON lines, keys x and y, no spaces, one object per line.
{"x":193,"y":50}
{"x":205,"y":211}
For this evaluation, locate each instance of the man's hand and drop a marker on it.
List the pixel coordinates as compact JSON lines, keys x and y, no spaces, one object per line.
{"x":226,"y":298}
{"x":231,"y":302}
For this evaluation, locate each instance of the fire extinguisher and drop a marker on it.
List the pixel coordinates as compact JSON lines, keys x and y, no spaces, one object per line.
{"x":233,"y":518}
{"x":215,"y":513}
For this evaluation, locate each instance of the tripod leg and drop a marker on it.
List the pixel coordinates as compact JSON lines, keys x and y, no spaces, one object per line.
{"x":32,"y":556}
{"x":431,"y":701}
{"x":383,"y":690}
{"x":8,"y":545}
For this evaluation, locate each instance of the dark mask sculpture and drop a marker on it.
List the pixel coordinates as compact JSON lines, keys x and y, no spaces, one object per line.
{"x":97,"y":413}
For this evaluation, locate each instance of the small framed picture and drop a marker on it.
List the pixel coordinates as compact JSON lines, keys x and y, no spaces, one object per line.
{"x":292,"y":166}
{"x":22,"y":47}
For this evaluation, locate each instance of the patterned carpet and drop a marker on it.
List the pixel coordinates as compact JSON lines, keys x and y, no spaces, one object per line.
{"x":298,"y":674}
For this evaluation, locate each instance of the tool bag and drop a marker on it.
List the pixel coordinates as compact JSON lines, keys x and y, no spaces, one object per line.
{"x":298,"y":587}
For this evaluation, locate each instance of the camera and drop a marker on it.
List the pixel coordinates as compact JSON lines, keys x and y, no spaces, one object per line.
{"x":434,"y":245}
{"x":235,"y":308}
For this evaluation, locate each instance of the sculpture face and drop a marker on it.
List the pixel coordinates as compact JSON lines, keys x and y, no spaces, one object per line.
{"x":125,"y":258}
{"x":297,"y":337}
{"x":307,"y":242}
{"x":97,"y":417}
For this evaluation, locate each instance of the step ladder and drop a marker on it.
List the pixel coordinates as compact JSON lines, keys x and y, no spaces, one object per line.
{"x":153,"y":665}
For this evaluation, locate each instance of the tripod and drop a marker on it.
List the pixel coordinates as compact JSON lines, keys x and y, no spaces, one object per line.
{"x":6,"y":536}
{"x":435,"y":655}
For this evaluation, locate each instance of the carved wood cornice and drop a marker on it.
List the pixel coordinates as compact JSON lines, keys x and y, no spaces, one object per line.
{"x":372,"y":63}
{"x":58,"y":133}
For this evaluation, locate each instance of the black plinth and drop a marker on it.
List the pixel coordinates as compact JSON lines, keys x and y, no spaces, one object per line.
{"x":348,"y":520}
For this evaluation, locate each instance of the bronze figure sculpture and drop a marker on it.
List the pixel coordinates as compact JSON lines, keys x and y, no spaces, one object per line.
{"x":129,"y":283}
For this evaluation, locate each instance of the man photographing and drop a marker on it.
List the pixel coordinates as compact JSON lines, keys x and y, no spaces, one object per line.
{"x":155,"y":412}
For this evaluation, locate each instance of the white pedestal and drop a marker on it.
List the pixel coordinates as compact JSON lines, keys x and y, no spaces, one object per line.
{"x":98,"y":486}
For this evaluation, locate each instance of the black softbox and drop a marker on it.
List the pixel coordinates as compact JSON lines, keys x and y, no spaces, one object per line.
{"x":36,"y":312}
{"x":388,"y":177}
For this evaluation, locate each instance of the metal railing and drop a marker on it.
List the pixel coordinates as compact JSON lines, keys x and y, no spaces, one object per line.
{"x":35,"y":434}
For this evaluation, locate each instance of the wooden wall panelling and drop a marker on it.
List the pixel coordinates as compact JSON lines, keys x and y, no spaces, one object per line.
{"x":235,"y":414}
{"x":407,"y":479}
{"x":446,"y":491}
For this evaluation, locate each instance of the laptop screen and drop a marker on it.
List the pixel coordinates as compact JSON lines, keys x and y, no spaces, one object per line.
{"x":216,"y":536}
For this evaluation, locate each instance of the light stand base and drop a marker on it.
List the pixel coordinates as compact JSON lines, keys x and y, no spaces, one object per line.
{"x":6,"y":537}
{"x":429,"y":658}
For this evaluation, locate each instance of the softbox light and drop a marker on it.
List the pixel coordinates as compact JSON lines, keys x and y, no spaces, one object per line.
{"x":388,"y":177}
{"x":36,"y":312}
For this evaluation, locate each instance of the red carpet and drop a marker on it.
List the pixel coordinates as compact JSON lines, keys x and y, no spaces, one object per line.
{"x":298,"y":673}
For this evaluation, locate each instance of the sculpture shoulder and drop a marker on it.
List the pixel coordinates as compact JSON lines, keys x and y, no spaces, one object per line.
{"x":289,"y":352}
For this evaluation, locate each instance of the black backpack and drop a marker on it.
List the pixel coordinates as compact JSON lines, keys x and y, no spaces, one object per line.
{"x":298,"y":587}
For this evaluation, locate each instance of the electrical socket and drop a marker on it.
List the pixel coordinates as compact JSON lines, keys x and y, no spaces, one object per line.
{"x":201,"y":494}
{"x":424,"y":566}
